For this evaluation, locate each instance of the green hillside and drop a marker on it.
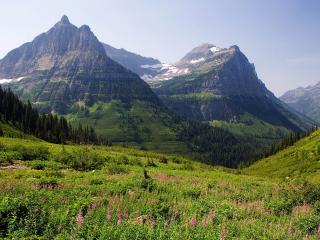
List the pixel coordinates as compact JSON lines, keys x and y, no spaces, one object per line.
{"x":7,"y":130}
{"x":300,"y":161}
{"x":138,"y":124}
{"x":50,"y":191}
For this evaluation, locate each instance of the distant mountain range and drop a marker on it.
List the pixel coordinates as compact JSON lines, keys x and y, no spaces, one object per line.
{"x":134,"y":62}
{"x":305,"y":100}
{"x":68,"y":71}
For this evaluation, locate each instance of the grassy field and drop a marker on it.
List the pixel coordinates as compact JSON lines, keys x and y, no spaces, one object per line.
{"x":50,"y":191}
{"x":300,"y":161}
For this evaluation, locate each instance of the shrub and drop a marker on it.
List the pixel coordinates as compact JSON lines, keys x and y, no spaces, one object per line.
{"x":148,"y":184}
{"x":48,"y":183}
{"x":163,"y":159}
{"x":117,"y":169}
{"x":194,"y":193}
{"x":307,"y":223}
{"x":23,"y":215}
{"x":177,"y":160}
{"x":96,"y":181}
{"x":187,"y":166}
{"x":82,"y":159}
{"x":40,"y":165}
{"x":32,"y":153}
{"x":6,"y":158}
{"x":2,"y":146}
{"x":150,"y":163}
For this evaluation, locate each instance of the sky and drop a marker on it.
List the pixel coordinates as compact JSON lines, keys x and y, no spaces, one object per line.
{"x":281,"y":37}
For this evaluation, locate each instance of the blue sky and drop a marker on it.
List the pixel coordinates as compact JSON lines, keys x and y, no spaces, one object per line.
{"x":281,"y":37}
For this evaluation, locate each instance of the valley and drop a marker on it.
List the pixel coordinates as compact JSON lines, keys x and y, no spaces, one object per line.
{"x":99,"y":142}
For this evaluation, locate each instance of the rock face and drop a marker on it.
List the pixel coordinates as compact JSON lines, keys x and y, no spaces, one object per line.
{"x":134,"y":62}
{"x":305,"y":100}
{"x":221,"y":84}
{"x":68,"y":64}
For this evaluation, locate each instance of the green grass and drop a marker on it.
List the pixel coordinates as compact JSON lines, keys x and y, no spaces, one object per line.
{"x":300,"y":161}
{"x":201,"y":96}
{"x":11,"y":131}
{"x":140,"y":124}
{"x":247,"y":125}
{"x":91,"y":192}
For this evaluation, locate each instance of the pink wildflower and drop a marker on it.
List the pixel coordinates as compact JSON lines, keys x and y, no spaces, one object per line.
{"x":80,"y":219}
{"x":119,"y":216}
{"x":318,"y":230}
{"x":193,"y":221}
{"x":108,"y":215}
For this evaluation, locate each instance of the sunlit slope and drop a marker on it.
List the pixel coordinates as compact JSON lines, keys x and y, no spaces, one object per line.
{"x":87,"y":192}
{"x":300,"y":161}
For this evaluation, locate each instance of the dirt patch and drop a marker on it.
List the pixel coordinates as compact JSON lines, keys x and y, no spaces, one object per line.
{"x":11,"y":167}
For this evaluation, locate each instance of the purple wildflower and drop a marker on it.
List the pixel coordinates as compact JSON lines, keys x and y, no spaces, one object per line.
{"x":80,"y":219}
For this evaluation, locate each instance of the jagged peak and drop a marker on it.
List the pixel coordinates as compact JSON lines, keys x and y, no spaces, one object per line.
{"x":235,"y":48}
{"x":85,"y":28}
{"x":64,"y":19}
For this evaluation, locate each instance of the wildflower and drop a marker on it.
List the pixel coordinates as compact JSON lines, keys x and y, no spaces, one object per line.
{"x":119,"y":216}
{"x":80,"y":219}
{"x":318,"y":230}
{"x":108,"y":215}
{"x":212,"y":214}
{"x":193,"y":221}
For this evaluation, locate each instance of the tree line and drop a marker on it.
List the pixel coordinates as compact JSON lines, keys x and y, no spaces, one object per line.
{"x":48,"y":127}
{"x":288,"y":141}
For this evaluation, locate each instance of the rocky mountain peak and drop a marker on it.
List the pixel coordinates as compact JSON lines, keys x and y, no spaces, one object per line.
{"x":203,"y":51}
{"x":64,"y":20}
{"x":85,"y":28}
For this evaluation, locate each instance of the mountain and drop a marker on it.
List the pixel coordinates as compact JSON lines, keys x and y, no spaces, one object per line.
{"x":134,"y":62}
{"x":300,"y":161}
{"x":66,"y":71}
{"x":221,"y":86}
{"x":305,"y":100}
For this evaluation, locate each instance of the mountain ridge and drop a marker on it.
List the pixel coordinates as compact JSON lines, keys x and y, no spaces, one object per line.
{"x":305,"y":100}
{"x":224,"y":86}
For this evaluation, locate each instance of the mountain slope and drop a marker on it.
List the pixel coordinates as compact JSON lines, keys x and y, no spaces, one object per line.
{"x":305,"y":100}
{"x":67,"y":71}
{"x":221,"y":84}
{"x":134,"y":62}
{"x":300,"y":161}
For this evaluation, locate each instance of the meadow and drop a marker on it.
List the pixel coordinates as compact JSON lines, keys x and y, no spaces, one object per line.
{"x":50,"y":191}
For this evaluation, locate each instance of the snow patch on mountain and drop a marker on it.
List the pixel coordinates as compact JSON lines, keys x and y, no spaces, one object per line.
{"x":9,"y":80}
{"x":215,"y":49}
{"x":194,"y":61}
